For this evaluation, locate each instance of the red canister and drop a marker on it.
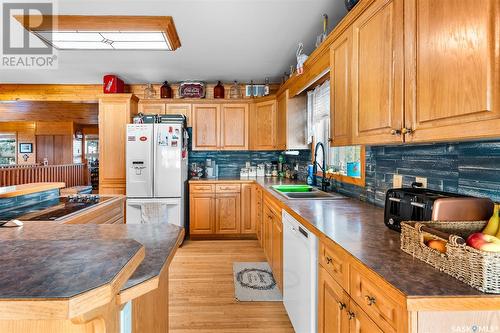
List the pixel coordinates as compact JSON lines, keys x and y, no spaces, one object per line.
{"x":112,"y":84}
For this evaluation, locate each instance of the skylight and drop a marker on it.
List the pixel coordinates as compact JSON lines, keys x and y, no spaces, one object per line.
{"x":108,"y":40}
{"x":74,"y":32}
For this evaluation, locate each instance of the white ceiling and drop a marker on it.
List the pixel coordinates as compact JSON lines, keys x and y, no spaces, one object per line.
{"x":221,"y":40}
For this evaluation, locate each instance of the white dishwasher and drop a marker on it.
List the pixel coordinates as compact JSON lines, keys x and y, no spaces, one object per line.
{"x":300,"y":275}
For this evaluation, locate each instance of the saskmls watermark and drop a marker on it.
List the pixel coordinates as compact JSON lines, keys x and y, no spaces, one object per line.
{"x":22,"y":49}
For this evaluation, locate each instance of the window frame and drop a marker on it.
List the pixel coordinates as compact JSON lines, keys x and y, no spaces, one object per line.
{"x":348,"y":179}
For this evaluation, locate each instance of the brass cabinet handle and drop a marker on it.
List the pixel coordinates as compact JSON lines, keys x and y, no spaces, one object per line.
{"x":328,"y":260}
{"x":396,"y":132}
{"x":342,"y":306}
{"x":370,"y":300}
{"x":351,"y":315}
{"x":407,"y":130}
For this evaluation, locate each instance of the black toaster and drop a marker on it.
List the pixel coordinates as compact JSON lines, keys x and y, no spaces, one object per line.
{"x":421,"y":204}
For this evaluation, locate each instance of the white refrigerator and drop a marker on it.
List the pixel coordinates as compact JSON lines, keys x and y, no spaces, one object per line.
{"x":157,"y":170}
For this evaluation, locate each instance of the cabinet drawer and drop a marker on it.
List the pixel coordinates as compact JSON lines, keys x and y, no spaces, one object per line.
{"x":335,"y":261}
{"x":228,"y":188}
{"x":202,"y":188}
{"x":374,"y":297}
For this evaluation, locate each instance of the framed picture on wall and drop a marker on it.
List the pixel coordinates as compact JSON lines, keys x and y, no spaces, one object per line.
{"x":26,"y":148}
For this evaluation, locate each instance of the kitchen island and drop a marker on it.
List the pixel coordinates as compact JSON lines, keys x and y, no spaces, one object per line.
{"x":364,"y":271}
{"x":77,"y":278}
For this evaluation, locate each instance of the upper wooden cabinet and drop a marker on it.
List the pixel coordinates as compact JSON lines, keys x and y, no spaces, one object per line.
{"x":180,"y":108}
{"x":263,"y":127}
{"x":452,"y":69}
{"x":377,"y":73}
{"x":206,"y":126}
{"x":281,"y":124}
{"x":146,"y":107}
{"x":234,"y":127}
{"x":220,"y":127}
{"x":340,"y":90}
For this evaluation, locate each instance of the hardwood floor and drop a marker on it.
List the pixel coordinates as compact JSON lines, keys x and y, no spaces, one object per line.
{"x":202,"y":291}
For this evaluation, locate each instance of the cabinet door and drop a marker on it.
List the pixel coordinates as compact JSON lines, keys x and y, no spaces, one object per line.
{"x":202,"y":213}
{"x":228,"y":212}
{"x":453,"y":69}
{"x":184,"y":109}
{"x":267,"y":233}
{"x":359,"y":322}
{"x":277,"y":250}
{"x":377,"y":73}
{"x":247,"y":207}
{"x":340,"y":90}
{"x":234,"y":127}
{"x":206,"y":130}
{"x":264,"y":126}
{"x":256,"y":211}
{"x":151,"y":108}
{"x":333,"y":303}
{"x":281,"y":121}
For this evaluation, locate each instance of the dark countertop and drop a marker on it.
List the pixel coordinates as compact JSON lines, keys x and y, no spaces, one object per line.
{"x":37,"y":268}
{"x":359,"y":228}
{"x":160,"y":242}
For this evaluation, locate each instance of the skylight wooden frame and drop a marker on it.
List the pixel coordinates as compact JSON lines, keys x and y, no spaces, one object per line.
{"x":102,"y":23}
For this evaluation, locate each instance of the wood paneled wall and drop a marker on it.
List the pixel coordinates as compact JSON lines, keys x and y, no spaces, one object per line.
{"x":78,"y":113}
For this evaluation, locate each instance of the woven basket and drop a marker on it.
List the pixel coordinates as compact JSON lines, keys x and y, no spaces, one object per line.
{"x":479,"y":269}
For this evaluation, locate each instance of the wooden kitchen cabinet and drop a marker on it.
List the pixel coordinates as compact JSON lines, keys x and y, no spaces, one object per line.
{"x":234,"y":126}
{"x":228,"y":216}
{"x":206,"y":126}
{"x":180,"y":108}
{"x":223,"y":210}
{"x":340,"y":90}
{"x":333,"y":304}
{"x":452,"y":69}
{"x":146,"y":107}
{"x":202,"y":213}
{"x":220,"y":126}
{"x":281,"y":121}
{"x":359,"y":322}
{"x":263,"y":120}
{"x":377,"y":73}
{"x":277,"y":250}
{"x":248,"y":206}
{"x":115,"y":112}
{"x":256,"y":211}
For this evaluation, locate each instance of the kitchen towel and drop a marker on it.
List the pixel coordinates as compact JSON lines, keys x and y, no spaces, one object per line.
{"x":154,"y":213}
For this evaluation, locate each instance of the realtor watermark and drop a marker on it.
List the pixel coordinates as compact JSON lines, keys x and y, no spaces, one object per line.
{"x":474,"y":329}
{"x":22,"y":49}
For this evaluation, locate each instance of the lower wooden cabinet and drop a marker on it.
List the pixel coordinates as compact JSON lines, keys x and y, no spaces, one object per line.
{"x":202,"y":213}
{"x":332,"y":304}
{"x":337,"y":312}
{"x":228,"y":215}
{"x":272,"y":239}
{"x":229,"y":209}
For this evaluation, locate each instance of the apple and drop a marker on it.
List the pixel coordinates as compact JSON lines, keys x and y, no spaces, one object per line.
{"x":437,"y":245}
{"x":484,"y":242}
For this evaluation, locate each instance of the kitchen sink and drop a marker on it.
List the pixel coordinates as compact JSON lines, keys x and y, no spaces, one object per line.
{"x":304,"y":192}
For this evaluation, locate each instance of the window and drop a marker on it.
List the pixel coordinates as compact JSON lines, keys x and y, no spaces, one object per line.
{"x":7,"y":149}
{"x":91,"y":147}
{"x":318,"y":111}
{"x":347,"y":164}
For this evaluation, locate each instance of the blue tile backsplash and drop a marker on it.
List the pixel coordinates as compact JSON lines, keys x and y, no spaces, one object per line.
{"x":471,"y":168}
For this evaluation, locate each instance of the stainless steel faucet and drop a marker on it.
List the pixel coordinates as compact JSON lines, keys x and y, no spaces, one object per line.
{"x":324,"y":182}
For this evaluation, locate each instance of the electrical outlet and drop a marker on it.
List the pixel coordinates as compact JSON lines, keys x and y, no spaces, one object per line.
{"x":422,"y":180}
{"x":397,"y":181}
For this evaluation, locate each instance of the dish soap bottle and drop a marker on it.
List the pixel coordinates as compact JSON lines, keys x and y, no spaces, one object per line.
{"x":310,"y":175}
